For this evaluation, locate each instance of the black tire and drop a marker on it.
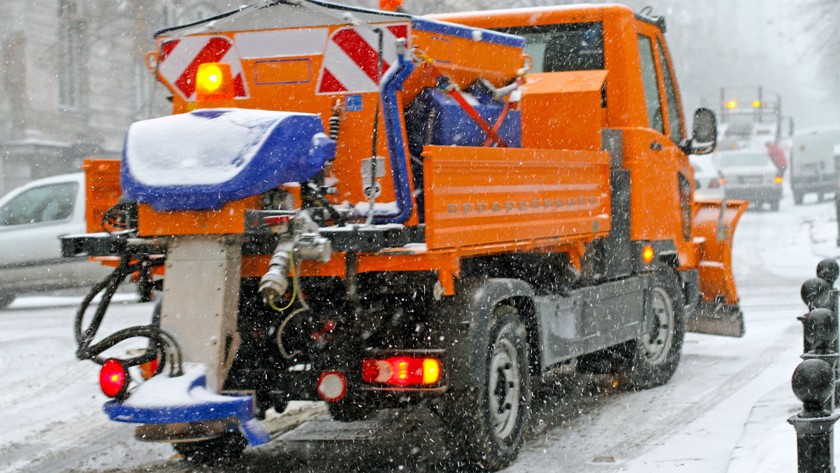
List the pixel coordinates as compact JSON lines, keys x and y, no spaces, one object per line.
{"x":655,"y":356}
{"x":485,"y":427}
{"x":224,"y":449}
{"x":6,"y":299}
{"x":352,"y":408}
{"x":774,"y":206}
{"x":798,"y":197}
{"x":820,"y":196}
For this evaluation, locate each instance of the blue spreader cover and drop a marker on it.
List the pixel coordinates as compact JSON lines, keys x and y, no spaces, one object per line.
{"x":204,"y":159}
{"x":452,"y":125}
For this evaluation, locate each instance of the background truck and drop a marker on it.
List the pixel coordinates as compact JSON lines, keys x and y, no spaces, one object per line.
{"x":381,"y":210}
{"x":751,"y":118}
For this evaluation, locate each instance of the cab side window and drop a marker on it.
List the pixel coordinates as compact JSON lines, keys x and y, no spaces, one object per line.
{"x":675,"y":125}
{"x":40,"y":204}
{"x":651,"y":84}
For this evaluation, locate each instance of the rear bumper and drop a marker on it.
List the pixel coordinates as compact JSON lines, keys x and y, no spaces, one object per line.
{"x":813,"y":183}
{"x":754,"y":193}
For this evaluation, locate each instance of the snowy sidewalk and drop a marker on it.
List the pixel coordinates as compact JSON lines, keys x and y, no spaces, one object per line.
{"x":768,"y":443}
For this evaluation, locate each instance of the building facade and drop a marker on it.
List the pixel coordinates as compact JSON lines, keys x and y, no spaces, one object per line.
{"x":73,"y":78}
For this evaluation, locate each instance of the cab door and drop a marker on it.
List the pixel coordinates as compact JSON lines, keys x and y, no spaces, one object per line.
{"x":665,"y":119}
{"x":718,"y":311}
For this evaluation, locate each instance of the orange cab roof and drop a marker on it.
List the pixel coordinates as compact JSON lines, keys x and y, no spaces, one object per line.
{"x":533,"y":16}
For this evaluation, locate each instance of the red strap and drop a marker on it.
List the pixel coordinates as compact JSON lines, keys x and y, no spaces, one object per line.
{"x":473,"y":113}
{"x":499,"y":121}
{"x":470,"y":110}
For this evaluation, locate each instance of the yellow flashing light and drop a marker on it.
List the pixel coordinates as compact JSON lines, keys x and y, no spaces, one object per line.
{"x":648,"y":254}
{"x":214,"y":82}
{"x":731,"y":104}
{"x":757,"y":104}
{"x":778,"y":179}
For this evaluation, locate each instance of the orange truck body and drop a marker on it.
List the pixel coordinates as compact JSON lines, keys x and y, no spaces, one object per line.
{"x":562,"y":121}
{"x":580,"y":228}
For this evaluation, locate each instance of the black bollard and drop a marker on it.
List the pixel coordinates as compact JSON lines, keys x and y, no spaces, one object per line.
{"x":828,"y":270}
{"x":820,"y":341}
{"x":813,"y":384}
{"x":816,"y":293}
{"x":823,"y":295}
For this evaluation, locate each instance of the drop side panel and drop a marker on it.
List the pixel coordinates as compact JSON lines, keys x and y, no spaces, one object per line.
{"x":497,"y":196}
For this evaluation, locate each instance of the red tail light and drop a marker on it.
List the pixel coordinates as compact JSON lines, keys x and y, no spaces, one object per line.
{"x":113,"y":378}
{"x":402,"y":371}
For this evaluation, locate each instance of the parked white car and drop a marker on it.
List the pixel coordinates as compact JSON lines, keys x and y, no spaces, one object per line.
{"x":32,"y":218}
{"x":708,"y":182}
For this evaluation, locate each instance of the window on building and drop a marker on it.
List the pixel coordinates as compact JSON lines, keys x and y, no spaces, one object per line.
{"x":142,"y":90}
{"x":72,"y":57}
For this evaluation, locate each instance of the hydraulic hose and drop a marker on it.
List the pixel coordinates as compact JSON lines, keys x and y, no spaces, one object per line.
{"x":160,"y":341}
{"x":392,"y":84}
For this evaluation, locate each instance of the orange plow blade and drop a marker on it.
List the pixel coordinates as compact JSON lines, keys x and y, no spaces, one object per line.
{"x":718,"y":312}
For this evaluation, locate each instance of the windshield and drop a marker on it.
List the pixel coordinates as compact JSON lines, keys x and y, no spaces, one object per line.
{"x":562,"y":48}
{"x":743,"y":159}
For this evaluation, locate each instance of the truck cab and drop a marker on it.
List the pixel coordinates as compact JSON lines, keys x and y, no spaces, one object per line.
{"x":615,"y":64}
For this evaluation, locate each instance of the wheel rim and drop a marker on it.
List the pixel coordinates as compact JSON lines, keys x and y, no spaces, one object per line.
{"x":657,"y":342}
{"x":505,"y":387}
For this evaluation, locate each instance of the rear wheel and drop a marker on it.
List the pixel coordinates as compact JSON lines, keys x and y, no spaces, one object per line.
{"x":6,"y":299}
{"x":486,"y":426}
{"x":798,"y":197}
{"x":226,"y":448}
{"x":655,"y":355}
{"x":774,"y":206}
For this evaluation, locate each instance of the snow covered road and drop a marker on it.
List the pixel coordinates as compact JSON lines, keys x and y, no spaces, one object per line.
{"x":704,"y":420}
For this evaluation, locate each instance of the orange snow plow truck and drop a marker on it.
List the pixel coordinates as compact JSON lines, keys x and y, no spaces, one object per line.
{"x":380,"y":210}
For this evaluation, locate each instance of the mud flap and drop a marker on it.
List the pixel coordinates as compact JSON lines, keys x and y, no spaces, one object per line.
{"x":718,"y":312}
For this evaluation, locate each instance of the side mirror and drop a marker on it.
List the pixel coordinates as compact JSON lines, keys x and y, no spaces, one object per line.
{"x":704,"y":131}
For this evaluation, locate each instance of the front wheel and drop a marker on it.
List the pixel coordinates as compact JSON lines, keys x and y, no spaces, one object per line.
{"x":774,"y":206}
{"x":798,"y":197}
{"x":656,"y":354}
{"x":486,"y":426}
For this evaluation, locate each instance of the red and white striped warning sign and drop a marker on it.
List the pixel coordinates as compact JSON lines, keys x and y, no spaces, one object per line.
{"x":180,"y":58}
{"x":351,"y":61}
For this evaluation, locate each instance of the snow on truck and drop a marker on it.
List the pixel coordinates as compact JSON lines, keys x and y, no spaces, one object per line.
{"x":381,"y":210}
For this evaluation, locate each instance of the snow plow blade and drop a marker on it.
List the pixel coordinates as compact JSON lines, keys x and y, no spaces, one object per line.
{"x":181,"y":408}
{"x":718,"y":311}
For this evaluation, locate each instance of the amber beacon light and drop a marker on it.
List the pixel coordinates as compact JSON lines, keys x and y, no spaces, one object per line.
{"x":214,"y":82}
